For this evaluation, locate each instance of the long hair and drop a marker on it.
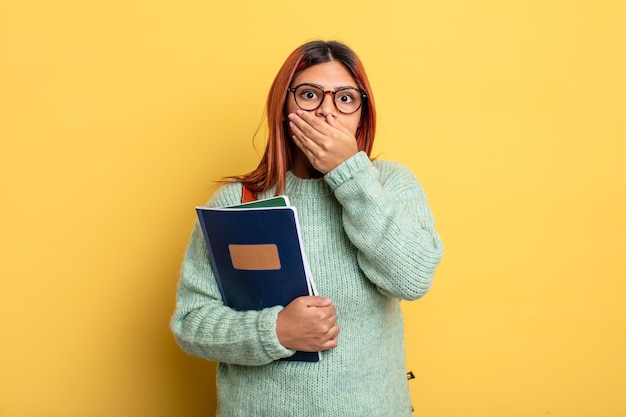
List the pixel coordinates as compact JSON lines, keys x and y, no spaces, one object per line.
{"x":277,"y":159}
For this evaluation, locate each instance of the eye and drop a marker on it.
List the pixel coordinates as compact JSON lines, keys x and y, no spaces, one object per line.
{"x":309,"y":94}
{"x":345,"y":97}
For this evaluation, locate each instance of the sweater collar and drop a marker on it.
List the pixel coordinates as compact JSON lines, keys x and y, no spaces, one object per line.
{"x":306,"y":187}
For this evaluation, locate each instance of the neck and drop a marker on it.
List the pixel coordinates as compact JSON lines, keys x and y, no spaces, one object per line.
{"x":301,"y":166}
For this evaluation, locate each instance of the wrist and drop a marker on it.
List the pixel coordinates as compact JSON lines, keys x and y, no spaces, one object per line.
{"x":347,"y":169}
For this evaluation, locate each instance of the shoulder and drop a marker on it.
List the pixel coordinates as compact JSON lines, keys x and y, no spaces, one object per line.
{"x":226,"y":195}
{"x":389,"y":165}
{"x":393,"y":171}
{"x":399,"y":179}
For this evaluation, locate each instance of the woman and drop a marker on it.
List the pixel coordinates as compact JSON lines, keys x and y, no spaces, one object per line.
{"x":370,"y":241}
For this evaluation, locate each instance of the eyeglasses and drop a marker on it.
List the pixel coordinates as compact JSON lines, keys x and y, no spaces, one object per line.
{"x":346,"y":99}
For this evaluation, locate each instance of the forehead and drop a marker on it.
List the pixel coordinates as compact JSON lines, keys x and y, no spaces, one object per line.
{"x":329,"y":75}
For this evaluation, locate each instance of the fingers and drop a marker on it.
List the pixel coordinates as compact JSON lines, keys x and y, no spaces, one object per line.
{"x":325,"y":338}
{"x":319,"y":310}
{"x":306,"y":125}
{"x":316,"y":301}
{"x":304,"y":135}
{"x":325,"y":142}
{"x":330,"y":339}
{"x":308,"y":324}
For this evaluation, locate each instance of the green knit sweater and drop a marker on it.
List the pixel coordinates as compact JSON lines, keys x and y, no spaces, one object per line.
{"x":369,"y":237}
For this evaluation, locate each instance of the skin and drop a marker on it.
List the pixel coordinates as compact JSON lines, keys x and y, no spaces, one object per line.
{"x":324,"y":139}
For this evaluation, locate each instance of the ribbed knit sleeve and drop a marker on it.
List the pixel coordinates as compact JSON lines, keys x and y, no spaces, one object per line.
{"x":203,"y":326}
{"x":387,"y":218}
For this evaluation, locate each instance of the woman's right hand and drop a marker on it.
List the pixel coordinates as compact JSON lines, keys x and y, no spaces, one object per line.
{"x":308,"y":324}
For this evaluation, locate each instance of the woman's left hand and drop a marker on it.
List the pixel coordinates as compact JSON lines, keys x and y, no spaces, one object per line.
{"x":323,"y":140}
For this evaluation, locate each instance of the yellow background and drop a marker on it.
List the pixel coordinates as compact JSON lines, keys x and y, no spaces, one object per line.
{"x":117,"y":116}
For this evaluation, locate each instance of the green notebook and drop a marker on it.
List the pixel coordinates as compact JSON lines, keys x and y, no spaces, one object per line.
{"x":280,"y":201}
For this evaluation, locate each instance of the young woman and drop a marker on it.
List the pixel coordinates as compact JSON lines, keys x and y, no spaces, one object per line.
{"x":370,"y":241}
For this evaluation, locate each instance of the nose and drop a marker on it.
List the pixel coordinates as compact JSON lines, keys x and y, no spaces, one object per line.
{"x":327,"y":107}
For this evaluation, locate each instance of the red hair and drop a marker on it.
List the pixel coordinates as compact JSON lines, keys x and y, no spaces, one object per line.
{"x":277,"y":158}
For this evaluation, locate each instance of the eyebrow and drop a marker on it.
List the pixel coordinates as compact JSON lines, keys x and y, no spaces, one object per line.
{"x":323,"y":89}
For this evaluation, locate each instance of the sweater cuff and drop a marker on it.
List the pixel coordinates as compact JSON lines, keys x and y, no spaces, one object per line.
{"x":268,"y":336}
{"x":347,"y":170}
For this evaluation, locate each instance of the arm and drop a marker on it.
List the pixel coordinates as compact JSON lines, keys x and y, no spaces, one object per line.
{"x":386,"y":215}
{"x":387,"y":218}
{"x":204,"y":327}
